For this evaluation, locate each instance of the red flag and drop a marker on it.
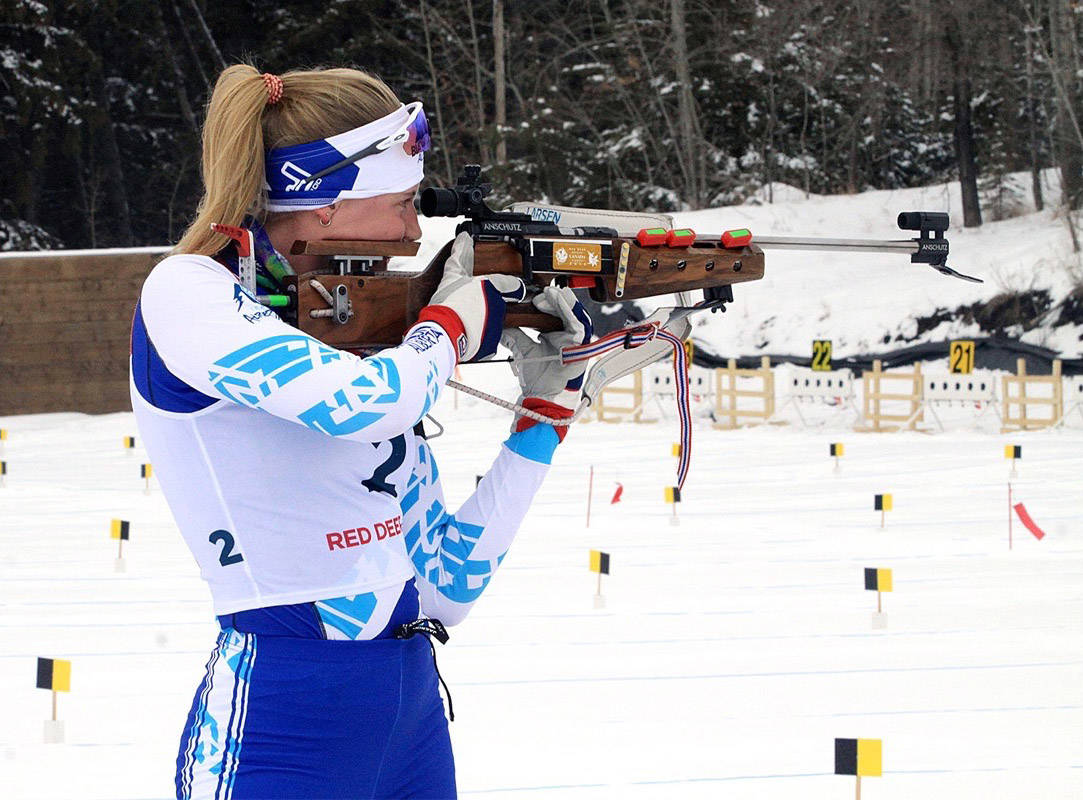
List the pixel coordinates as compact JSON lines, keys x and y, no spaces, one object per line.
{"x":616,"y":495}
{"x":1024,"y":517}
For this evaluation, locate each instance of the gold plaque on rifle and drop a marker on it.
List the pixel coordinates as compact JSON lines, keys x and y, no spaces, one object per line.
{"x":577,"y":257}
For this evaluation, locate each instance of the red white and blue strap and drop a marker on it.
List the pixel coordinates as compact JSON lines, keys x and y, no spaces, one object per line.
{"x":623,"y":339}
{"x":634,"y":337}
{"x":680,"y":377}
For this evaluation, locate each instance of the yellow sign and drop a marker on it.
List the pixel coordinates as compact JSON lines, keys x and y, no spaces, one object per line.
{"x":961,"y":356}
{"x":869,"y":758}
{"x":577,"y":257}
{"x":863,"y":757}
{"x":55,"y":674}
{"x":821,"y":355}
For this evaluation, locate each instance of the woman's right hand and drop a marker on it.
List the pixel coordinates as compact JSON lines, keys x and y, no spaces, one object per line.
{"x":471,"y":309}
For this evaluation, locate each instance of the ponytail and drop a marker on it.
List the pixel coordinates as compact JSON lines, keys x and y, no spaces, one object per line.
{"x":232,"y":158}
{"x":241,"y":126}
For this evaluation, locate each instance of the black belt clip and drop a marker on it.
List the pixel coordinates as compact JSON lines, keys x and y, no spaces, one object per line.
{"x":429,"y":628}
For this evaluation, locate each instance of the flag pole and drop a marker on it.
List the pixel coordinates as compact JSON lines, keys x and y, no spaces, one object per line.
{"x":1009,"y":515}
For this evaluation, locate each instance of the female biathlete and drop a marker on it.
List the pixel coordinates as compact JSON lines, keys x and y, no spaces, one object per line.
{"x":299,"y":475}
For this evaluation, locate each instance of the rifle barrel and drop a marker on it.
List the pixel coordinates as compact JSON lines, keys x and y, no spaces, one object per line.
{"x":908,"y":246}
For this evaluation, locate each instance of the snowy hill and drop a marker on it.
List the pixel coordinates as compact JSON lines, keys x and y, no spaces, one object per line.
{"x":874,"y":303}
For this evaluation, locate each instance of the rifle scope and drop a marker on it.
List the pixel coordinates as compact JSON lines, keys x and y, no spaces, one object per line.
{"x":466,"y":199}
{"x":933,"y":221}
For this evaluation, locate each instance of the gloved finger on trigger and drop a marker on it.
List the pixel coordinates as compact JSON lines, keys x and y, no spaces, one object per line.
{"x":561,"y":303}
{"x":511,"y":288}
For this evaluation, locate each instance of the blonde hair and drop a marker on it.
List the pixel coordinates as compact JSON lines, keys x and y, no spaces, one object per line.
{"x":241,"y":127}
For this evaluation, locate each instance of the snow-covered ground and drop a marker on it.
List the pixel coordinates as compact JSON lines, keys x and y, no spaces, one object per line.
{"x":732,"y":650}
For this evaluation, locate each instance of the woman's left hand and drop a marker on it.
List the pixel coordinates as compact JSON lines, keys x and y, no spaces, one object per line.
{"x":549,"y":386}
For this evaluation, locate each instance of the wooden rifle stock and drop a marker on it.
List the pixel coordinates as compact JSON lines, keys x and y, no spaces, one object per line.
{"x":385,"y":303}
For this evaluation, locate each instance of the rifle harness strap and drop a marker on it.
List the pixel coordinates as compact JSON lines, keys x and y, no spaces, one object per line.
{"x":623,"y":339}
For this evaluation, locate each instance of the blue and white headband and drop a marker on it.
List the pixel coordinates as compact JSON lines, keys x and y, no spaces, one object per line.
{"x":385,"y":156}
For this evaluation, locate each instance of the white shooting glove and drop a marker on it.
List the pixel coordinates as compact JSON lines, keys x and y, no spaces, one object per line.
{"x":549,"y":386}
{"x":471,"y":309}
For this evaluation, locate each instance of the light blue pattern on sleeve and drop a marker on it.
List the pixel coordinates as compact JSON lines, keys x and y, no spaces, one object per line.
{"x":538,"y":443}
{"x":440,"y":545}
{"x":383,"y":388}
{"x":253,"y":372}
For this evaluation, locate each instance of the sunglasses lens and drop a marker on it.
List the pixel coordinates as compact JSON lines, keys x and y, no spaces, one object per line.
{"x":420,"y":138}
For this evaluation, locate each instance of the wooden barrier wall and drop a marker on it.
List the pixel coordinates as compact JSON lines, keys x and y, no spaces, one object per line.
{"x":875,"y":398}
{"x":65,"y":322}
{"x":727,"y":411}
{"x":1025,"y":410}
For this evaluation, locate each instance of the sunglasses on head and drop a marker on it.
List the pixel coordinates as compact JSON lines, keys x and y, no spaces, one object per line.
{"x":414,"y":136}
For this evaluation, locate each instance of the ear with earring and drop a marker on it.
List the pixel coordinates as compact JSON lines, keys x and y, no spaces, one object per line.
{"x":325,"y":215}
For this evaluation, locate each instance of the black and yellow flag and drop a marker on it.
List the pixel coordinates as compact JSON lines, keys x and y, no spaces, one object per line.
{"x":837,"y":449}
{"x":55,"y":674}
{"x":145,"y":471}
{"x":676,"y":450}
{"x":878,"y":580}
{"x":1013,"y":451}
{"x":3,"y":468}
{"x":120,"y":529}
{"x":862,"y":757}
{"x":3,"y":434}
{"x":673,"y":494}
{"x":599,"y":562}
{"x":129,"y":442}
{"x":881,"y":502}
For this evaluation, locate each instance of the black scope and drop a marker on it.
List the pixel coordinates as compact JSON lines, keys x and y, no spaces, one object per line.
{"x":935,"y":221}
{"x":437,"y":202}
{"x":466,"y":199}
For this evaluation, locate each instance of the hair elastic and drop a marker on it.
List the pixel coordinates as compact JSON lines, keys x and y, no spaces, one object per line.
{"x":274,"y":88}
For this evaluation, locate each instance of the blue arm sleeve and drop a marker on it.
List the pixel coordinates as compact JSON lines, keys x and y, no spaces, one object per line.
{"x":456,"y":554}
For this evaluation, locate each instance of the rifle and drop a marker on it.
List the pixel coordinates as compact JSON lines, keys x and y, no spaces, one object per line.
{"x":617,"y":256}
